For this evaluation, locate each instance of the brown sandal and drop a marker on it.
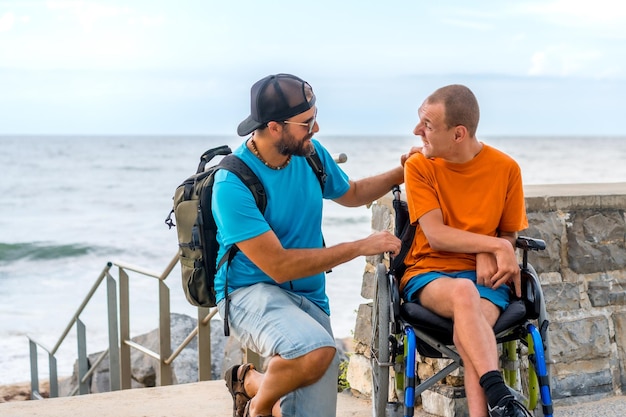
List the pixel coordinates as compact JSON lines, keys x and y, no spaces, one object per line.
{"x":237,"y":389}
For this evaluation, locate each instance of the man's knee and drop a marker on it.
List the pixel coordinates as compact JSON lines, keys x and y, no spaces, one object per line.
{"x":465,"y":287}
{"x":317,"y":362}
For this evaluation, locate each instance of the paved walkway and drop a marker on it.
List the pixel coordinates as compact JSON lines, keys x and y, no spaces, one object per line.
{"x":200,"y":399}
{"x":211,"y":399}
{"x":608,"y":407}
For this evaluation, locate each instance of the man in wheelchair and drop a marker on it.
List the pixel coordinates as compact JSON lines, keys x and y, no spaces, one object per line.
{"x":466,"y":200}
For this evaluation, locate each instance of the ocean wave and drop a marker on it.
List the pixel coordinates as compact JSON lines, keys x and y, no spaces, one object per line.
{"x":10,"y":252}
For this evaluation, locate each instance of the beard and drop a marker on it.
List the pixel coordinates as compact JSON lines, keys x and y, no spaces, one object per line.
{"x":289,"y":145}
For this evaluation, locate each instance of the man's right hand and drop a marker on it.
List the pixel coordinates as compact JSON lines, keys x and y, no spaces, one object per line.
{"x":486,"y":268}
{"x":380,"y":242}
{"x":508,"y":268}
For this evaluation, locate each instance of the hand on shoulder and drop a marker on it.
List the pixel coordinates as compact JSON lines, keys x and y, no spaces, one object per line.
{"x":413,"y":150}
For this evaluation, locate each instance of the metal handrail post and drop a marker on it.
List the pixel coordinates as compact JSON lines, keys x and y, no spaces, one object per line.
{"x":52,"y":362}
{"x":54,"y":378}
{"x":165,"y":345}
{"x":114,"y":346}
{"x":125,"y":367}
{"x":34,"y":370}
{"x":204,"y":345}
{"x":83,"y":365}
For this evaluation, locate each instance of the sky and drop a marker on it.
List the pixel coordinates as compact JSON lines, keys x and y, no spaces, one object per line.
{"x":185,"y":67}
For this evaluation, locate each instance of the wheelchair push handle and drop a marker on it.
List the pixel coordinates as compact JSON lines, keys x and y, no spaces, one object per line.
{"x":396,"y":192}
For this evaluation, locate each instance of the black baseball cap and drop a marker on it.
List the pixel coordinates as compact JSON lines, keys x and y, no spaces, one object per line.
{"x":276,"y":98}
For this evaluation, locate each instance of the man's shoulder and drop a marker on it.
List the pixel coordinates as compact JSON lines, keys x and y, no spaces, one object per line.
{"x":420,"y":162}
{"x":496,"y":153}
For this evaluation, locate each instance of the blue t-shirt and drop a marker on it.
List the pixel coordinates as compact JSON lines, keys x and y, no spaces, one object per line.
{"x":293,"y":212}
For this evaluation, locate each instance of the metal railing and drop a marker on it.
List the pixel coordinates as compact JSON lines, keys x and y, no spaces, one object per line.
{"x":120,"y":343}
{"x":119,"y":353}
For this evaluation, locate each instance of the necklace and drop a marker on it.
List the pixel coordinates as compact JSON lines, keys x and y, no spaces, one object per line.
{"x":267,"y":164}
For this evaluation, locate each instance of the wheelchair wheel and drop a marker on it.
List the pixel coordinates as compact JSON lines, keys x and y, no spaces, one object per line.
{"x":380,"y":343}
{"x":522,"y":376}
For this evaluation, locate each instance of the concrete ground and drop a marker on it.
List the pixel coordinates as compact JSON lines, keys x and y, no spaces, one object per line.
{"x":200,"y":399}
{"x":211,"y":399}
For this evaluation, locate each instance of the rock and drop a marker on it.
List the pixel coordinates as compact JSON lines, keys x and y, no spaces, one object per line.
{"x":20,"y":392}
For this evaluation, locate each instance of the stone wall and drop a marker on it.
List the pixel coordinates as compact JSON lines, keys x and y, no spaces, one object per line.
{"x":583,"y":276}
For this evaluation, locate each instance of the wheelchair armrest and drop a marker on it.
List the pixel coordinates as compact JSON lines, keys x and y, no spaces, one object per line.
{"x":528,"y":243}
{"x":532,"y":293}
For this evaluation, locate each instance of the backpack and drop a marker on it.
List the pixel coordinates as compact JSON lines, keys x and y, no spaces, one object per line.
{"x":196,"y":228}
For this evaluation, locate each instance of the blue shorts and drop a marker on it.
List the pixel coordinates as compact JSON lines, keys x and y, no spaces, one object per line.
{"x":272,"y":321}
{"x":500,"y":296}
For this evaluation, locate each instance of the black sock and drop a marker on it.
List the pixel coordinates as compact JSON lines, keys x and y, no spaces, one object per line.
{"x":494,"y":387}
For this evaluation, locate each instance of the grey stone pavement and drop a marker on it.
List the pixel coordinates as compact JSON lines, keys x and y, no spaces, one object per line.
{"x":211,"y":398}
{"x":608,"y":407}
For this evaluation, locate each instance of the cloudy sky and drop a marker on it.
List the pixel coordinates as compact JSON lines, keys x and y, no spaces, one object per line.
{"x":551,"y":67}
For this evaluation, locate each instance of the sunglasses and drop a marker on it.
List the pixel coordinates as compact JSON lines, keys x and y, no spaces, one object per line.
{"x":310,"y":123}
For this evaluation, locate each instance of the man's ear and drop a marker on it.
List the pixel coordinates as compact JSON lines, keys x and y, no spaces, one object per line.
{"x":460,"y":133}
{"x":274,"y":127}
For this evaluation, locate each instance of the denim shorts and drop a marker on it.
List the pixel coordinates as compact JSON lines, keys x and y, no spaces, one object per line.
{"x":499,"y":296}
{"x":272,"y":321}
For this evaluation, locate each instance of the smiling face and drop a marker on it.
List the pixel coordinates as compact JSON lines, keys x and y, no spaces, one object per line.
{"x":437,"y":137}
{"x":297,"y":133}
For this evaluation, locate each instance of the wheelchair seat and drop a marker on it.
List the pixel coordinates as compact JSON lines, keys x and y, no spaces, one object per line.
{"x":442,"y":328}
{"x":528,"y":307}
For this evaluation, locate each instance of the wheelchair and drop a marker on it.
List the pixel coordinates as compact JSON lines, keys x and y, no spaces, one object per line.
{"x":401,"y":330}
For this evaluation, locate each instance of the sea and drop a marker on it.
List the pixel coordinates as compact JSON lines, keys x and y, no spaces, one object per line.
{"x":70,"y":204}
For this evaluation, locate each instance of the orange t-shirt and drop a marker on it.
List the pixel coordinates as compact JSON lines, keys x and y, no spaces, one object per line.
{"x":484,"y":195}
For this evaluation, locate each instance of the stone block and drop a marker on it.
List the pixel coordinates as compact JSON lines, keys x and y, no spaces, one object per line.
{"x":359,"y":375}
{"x":373,"y":260}
{"x":550,"y":227}
{"x":619,"y":320}
{"x":617,"y":298}
{"x":583,"y":339}
{"x":551,"y":278}
{"x":596,"y":241}
{"x":382,"y":217}
{"x":368,"y":285}
{"x":561,"y":296}
{"x":599,"y":293}
{"x":605,"y":227}
{"x":445,"y":401}
{"x":363,"y":329}
{"x":583,"y":384}
{"x":427,"y":367}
